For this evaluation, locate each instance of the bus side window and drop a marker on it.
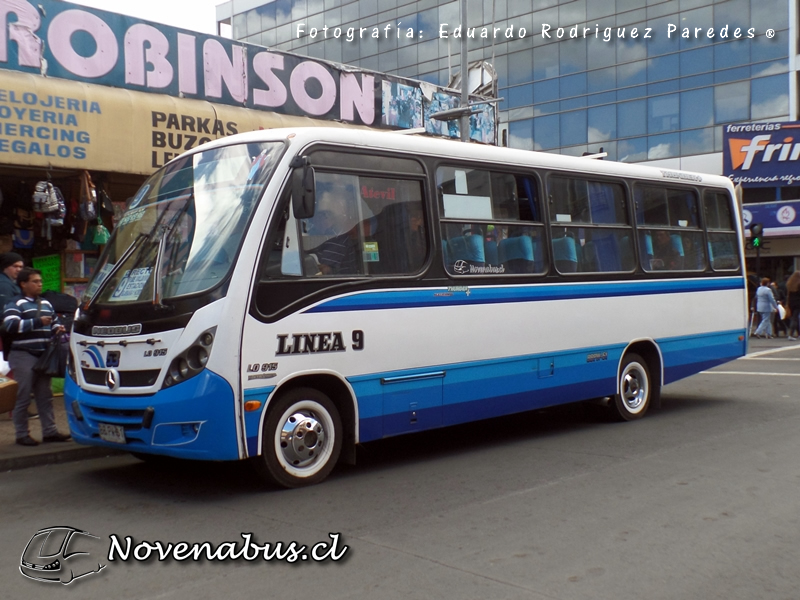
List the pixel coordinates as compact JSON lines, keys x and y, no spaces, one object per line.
{"x":283,"y":251}
{"x":672,"y":239}
{"x":591,"y":232}
{"x":491,"y":222}
{"x":362,"y":226}
{"x":723,"y":250}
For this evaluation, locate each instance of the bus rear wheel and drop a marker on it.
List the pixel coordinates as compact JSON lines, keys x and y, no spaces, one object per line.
{"x":302,"y":439}
{"x":635,"y":388}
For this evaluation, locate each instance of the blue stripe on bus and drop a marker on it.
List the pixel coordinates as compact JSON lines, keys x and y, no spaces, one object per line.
{"x":492,"y":388}
{"x":434,"y":297}
{"x":96,"y":357}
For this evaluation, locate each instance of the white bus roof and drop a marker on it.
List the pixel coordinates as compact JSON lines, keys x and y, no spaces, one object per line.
{"x":301,"y":137}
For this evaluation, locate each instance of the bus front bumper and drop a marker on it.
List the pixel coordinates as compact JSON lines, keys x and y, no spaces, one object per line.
{"x":193,"y":419}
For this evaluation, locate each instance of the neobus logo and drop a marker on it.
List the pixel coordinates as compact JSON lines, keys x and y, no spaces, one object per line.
{"x":744,"y":152}
{"x":104,"y":330}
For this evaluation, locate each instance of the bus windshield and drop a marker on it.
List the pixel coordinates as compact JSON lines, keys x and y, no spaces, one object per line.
{"x":184,"y":225}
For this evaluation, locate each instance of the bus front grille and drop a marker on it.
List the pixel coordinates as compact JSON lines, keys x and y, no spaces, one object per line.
{"x":127,"y":379}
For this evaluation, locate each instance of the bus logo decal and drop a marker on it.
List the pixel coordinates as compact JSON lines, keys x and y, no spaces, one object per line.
{"x":459,"y":288}
{"x":461,"y":267}
{"x":596,"y":356}
{"x":102,"y":330}
{"x":262,"y":376}
{"x":91,"y":358}
{"x":112,"y":358}
{"x":310,"y":343}
{"x":112,"y":380}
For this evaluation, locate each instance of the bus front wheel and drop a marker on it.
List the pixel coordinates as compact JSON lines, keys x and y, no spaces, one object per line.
{"x":302,"y":439}
{"x":635,"y":388}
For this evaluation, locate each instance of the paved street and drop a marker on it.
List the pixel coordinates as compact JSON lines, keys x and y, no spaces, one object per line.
{"x":699,"y":500}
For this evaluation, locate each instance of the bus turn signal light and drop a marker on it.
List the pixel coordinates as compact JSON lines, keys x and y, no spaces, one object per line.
{"x":252,"y":405}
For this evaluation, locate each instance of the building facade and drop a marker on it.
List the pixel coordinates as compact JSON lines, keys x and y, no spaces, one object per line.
{"x":644,"y":80}
{"x":93,"y":102}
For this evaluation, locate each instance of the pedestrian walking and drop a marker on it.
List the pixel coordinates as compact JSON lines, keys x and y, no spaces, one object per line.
{"x":765,"y":306}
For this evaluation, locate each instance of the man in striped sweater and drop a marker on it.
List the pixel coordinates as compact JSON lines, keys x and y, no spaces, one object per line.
{"x":31,"y":322}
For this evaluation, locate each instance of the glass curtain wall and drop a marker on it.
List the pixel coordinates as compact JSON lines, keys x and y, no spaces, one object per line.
{"x":639,"y":99}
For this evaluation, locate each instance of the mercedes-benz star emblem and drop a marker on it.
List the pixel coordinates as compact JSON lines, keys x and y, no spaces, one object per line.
{"x":112,"y":379}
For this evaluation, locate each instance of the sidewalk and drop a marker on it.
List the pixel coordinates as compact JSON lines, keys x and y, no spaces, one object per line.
{"x":757,"y":344}
{"x":14,"y":456}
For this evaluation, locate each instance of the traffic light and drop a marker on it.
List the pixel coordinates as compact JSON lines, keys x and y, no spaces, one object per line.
{"x":756,"y":234}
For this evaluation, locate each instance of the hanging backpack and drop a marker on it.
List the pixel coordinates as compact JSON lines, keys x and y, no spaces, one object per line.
{"x":56,"y":218}
{"x":44,"y":198}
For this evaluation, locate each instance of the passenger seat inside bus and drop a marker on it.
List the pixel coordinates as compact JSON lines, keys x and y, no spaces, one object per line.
{"x":468,"y":247}
{"x":516,"y":254}
{"x":601,"y":253}
{"x":565,"y":253}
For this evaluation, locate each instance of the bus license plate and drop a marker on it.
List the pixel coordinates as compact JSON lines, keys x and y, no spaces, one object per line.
{"x":112,"y":433}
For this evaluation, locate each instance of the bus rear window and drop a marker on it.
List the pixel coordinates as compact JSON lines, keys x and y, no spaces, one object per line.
{"x":723,"y":249}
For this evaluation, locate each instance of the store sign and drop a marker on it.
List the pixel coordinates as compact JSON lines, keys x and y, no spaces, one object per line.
{"x":50,"y":266}
{"x":48,"y":122}
{"x":762,"y":154}
{"x":58,"y":39}
{"x":778,"y":218}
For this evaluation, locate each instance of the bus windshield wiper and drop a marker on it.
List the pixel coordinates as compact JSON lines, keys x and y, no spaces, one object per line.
{"x":157,"y":270}
{"x":125,"y":255}
{"x":166,"y":232}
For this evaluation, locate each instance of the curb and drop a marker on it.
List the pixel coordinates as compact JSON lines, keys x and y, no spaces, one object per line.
{"x":65,"y":455}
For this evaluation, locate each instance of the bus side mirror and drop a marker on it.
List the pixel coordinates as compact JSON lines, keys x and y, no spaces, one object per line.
{"x":303,"y":188}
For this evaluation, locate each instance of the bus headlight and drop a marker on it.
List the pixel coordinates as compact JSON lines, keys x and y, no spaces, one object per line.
{"x":191,"y":361}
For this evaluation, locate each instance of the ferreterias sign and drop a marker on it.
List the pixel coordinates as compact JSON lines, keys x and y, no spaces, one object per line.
{"x":62,"y":40}
{"x":762,"y":154}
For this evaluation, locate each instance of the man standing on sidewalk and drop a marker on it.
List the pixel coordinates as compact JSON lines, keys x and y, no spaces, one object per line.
{"x":31,"y":322}
{"x":11,"y":264}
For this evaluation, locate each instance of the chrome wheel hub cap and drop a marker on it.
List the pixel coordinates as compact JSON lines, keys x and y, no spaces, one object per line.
{"x":302,"y":439}
{"x":633,"y":393}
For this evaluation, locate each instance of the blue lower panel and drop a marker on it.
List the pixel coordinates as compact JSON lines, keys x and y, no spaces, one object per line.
{"x":686,"y":356}
{"x":193,"y":419}
{"x":474,"y":392}
{"x":486,"y":389}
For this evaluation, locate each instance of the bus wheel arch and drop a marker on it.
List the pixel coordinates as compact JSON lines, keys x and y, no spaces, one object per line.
{"x":639,"y":380}
{"x":333,"y":396}
{"x":301,"y":439}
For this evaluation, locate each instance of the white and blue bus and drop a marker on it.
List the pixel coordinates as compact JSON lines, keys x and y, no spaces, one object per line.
{"x":285,"y":295}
